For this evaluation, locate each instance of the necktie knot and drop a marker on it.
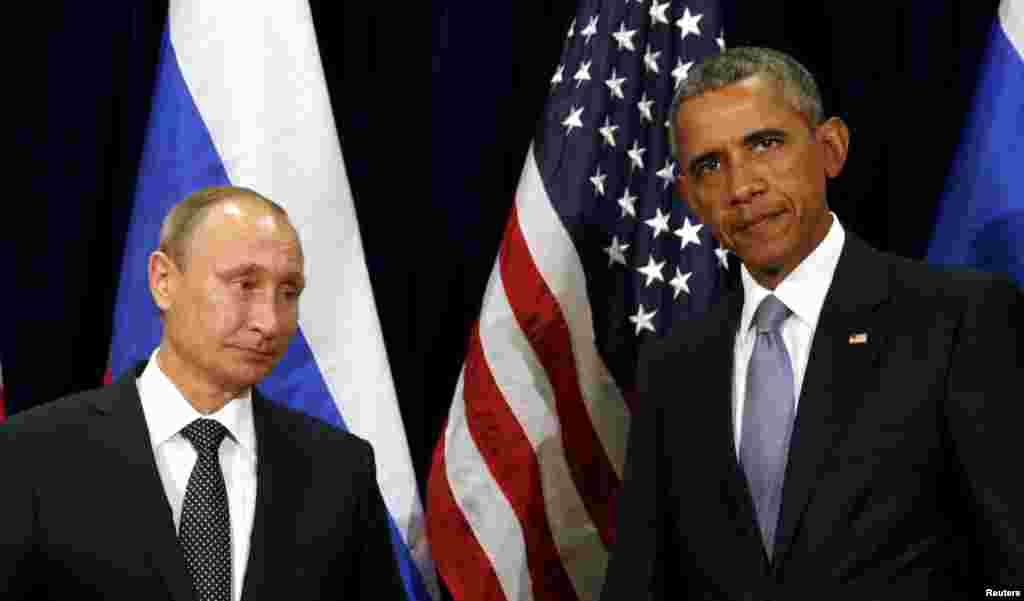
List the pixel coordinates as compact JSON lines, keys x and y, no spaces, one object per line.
{"x":205,"y":435}
{"x":770,"y":314}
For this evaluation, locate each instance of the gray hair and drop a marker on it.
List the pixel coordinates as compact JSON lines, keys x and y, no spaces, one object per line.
{"x":736,"y":64}
{"x":180,"y":223}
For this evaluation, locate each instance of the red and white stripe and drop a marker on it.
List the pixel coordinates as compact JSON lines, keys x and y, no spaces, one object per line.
{"x":523,"y":485}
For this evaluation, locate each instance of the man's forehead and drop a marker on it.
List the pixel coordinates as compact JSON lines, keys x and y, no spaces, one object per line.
{"x":732,"y":112}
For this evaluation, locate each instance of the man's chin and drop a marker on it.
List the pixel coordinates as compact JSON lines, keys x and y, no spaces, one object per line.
{"x":249,"y":373}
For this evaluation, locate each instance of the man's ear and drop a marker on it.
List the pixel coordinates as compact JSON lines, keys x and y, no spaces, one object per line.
{"x":834,"y":137}
{"x":162,"y":272}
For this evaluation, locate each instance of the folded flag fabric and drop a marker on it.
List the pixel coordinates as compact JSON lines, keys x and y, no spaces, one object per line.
{"x":241,"y":99}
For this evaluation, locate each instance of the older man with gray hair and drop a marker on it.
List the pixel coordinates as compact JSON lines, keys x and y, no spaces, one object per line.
{"x":848,"y":426}
{"x":180,"y":481}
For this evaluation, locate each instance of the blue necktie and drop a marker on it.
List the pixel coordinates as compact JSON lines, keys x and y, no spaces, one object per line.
{"x":767,"y":417}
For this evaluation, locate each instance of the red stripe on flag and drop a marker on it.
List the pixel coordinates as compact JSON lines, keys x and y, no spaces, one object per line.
{"x":507,"y":451}
{"x":542,"y":322}
{"x":463,"y":565}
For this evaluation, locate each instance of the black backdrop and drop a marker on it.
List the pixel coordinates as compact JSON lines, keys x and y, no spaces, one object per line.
{"x":433,"y":174}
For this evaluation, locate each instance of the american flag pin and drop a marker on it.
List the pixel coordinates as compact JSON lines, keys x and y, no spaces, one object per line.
{"x":861,"y":338}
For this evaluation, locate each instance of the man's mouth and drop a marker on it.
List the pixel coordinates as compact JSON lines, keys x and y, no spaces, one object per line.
{"x":758,"y":220}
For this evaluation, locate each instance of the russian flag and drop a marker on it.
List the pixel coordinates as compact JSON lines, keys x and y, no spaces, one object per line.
{"x":241,"y":99}
{"x":981,"y":217}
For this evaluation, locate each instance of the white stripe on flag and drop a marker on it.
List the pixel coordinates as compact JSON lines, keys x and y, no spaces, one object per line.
{"x":1011,"y":15}
{"x":559,"y":264}
{"x":524,"y":385}
{"x":266,"y":106}
{"x":484,"y":506}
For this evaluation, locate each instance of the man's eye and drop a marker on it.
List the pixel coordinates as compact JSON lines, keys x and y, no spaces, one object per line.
{"x":766,"y":143}
{"x":245,"y":285}
{"x":705,"y":166}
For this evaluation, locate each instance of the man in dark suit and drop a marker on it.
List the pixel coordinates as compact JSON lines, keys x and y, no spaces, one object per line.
{"x":179,"y":481}
{"x":844,"y":424}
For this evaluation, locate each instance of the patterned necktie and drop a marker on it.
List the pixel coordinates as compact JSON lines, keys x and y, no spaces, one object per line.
{"x":205,"y":531}
{"x":767,"y":417}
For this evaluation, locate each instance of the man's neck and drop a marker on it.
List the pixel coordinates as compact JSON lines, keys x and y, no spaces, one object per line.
{"x":203,"y":395}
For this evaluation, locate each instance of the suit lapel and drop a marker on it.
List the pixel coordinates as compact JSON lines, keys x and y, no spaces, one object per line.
{"x":122,"y":428}
{"x":841,"y":363}
{"x":725,"y":431}
{"x":255,"y":570}
{"x":277,"y":497}
{"x":730,"y":499}
{"x":736,"y":479}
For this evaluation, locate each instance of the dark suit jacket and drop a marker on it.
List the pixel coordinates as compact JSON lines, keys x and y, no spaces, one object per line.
{"x":905,"y":469}
{"x":83,"y":513}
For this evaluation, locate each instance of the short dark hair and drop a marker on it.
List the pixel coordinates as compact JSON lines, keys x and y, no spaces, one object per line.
{"x":736,"y":64}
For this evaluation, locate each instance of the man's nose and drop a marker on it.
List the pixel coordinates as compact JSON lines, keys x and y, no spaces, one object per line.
{"x":267,"y":315}
{"x":745,"y":182}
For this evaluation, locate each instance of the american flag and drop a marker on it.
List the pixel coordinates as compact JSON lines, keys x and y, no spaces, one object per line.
{"x":598,"y":258}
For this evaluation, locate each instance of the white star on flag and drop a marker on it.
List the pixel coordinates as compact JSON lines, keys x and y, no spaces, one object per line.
{"x":652,"y":270}
{"x":679,"y":284}
{"x":607,"y":131}
{"x":643,"y":319}
{"x":615,"y":84}
{"x":616,"y":252}
{"x":572,"y":29}
{"x":624,"y":37}
{"x":590,"y":29}
{"x":651,"y":59}
{"x":657,"y":12}
{"x":645,"y":108}
{"x":720,"y":40}
{"x":598,"y":180}
{"x":687,"y":24}
{"x":573,"y":119}
{"x":689,"y":233}
{"x":723,"y":257}
{"x":636,"y":155}
{"x":681,"y":71}
{"x":659,"y":222}
{"x":628,"y":203}
{"x":557,"y":79}
{"x":667,"y":173}
{"x":583,"y":73}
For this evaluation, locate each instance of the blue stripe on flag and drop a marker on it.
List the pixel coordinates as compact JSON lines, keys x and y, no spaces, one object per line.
{"x":179,"y":157}
{"x":411,"y":576}
{"x":981,"y":217}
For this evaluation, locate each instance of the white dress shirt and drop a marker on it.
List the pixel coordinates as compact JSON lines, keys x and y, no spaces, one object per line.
{"x":803,"y":292}
{"x":167,"y":412}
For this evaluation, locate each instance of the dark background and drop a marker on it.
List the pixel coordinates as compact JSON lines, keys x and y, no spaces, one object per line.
{"x":433,"y":175}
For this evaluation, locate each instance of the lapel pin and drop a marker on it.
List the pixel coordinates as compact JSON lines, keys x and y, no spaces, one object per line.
{"x":861,"y":338}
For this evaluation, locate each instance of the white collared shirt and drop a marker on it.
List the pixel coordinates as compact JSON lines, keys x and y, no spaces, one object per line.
{"x":803,"y":292}
{"x":167,"y":412}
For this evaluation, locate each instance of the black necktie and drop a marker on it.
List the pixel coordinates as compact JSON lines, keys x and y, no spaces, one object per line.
{"x":205,"y":531}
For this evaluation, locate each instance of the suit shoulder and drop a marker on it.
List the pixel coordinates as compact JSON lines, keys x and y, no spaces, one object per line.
{"x":953,"y":286}
{"x":691,"y":335}
{"x":54,"y":417}
{"x":308,"y":431}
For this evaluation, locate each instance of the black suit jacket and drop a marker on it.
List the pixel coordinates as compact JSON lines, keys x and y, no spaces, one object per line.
{"x":83,"y":512}
{"x":904,"y":478}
